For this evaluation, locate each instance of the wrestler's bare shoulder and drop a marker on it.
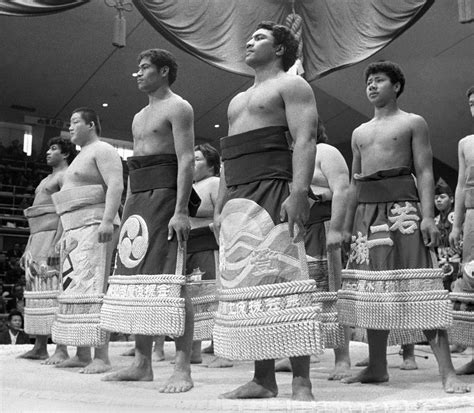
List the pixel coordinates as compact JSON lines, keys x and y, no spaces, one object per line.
{"x":467,"y":141}
{"x":466,"y":148}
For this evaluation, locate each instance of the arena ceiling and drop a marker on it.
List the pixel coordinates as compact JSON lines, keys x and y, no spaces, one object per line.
{"x":55,"y":63}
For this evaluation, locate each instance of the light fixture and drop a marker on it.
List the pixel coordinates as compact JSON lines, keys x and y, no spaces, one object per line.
{"x":105,"y":105}
{"x":27,"y":143}
{"x":217,"y":126}
{"x":120,"y":24}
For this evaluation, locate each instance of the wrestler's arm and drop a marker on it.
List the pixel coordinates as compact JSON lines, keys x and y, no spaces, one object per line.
{"x":110,"y":167}
{"x":335,"y":170}
{"x":459,"y":208}
{"x":302,"y":120}
{"x":351,"y":197}
{"x":53,"y":254}
{"x":423,"y":160}
{"x":182,"y":125}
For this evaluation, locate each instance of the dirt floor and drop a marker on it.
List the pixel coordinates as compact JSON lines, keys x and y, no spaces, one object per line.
{"x":29,"y":386}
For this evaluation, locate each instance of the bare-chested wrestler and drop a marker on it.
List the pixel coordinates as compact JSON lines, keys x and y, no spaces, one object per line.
{"x":390,"y":231}
{"x":87,"y":203}
{"x":155,"y":227}
{"x":40,"y":259}
{"x":464,"y":224}
{"x":254,"y":199}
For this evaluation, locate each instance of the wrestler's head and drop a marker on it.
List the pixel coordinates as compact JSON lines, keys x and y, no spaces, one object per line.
{"x":321,"y":137}
{"x":15,"y":320}
{"x":470,"y":97}
{"x":155,"y":66}
{"x":269,"y":40}
{"x":85,"y":124}
{"x":60,"y":149}
{"x":444,"y":197}
{"x":376,"y":76}
{"x":207,"y":162}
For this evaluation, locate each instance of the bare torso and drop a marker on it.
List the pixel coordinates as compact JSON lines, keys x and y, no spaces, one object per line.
{"x":259,"y":106}
{"x":83,"y":170}
{"x":47,"y":187}
{"x":207,"y":190}
{"x":319,"y":183}
{"x":385,"y":143}
{"x":467,"y":145}
{"x":151,"y":127}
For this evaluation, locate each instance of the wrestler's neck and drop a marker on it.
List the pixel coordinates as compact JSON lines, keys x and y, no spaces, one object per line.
{"x":158,"y":95}
{"x":386,"y":109}
{"x":94,"y":138}
{"x":60,"y":167}
{"x":267,"y":71}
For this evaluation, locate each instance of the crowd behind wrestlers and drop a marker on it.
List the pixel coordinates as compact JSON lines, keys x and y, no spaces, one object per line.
{"x":392,"y":140}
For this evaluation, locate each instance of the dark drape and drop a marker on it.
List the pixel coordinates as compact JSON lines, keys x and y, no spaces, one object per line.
{"x":336,"y":33}
{"x":37,"y":7}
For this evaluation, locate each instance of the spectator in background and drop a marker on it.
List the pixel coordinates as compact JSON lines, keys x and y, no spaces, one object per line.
{"x":18,"y":301}
{"x":15,"y":251}
{"x":14,"y":334}
{"x":15,"y":151}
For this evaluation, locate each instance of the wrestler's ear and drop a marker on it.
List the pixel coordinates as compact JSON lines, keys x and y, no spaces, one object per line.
{"x":92,"y":124}
{"x":164,"y":71}
{"x":280,"y":50}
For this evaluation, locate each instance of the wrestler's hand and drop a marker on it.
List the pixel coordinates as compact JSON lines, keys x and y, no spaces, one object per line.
{"x":455,"y":239}
{"x":22,"y":262}
{"x":430,"y":232}
{"x":295,"y":208}
{"x":179,"y":224}
{"x":53,"y":256}
{"x":333,"y":240}
{"x":106,"y":231}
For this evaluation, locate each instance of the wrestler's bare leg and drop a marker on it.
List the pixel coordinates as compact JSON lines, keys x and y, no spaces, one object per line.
{"x":283,"y":365}
{"x":458,"y":348}
{"x":196,"y":357}
{"x":466,"y":369}
{"x":81,"y":359}
{"x":363,"y":363}
{"x":439,"y":343}
{"x":301,"y":384}
{"x":180,"y":381}
{"x":409,"y":362}
{"x":129,"y":353}
{"x":159,"y":349}
{"x":60,"y":355}
{"x":376,"y":371}
{"x":39,"y":350}
{"x":101,"y":362}
{"x":140,"y":370}
{"x":342,"y":365}
{"x":262,"y":386}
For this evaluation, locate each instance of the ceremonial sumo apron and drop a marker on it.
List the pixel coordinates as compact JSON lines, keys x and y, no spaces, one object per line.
{"x":42,"y":275}
{"x":267,"y":307}
{"x":84,"y":263}
{"x":390,"y":283}
{"x":462,"y":331}
{"x":144,"y":295}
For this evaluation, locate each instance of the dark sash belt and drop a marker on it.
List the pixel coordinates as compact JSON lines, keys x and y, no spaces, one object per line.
{"x":152,"y":172}
{"x":386,"y":186}
{"x":201,"y":239}
{"x":157,"y":172}
{"x":319,"y":212}
{"x":257,"y":155}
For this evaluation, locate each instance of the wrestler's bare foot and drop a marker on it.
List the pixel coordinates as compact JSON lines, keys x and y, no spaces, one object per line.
{"x":220,"y":363}
{"x":301,"y":390}
{"x":452,"y":384}
{"x":35,"y":354}
{"x":158,"y":355}
{"x":457,"y":348}
{"x":96,"y":367}
{"x":59,"y":356}
{"x":368,"y":375}
{"x":132,"y":373}
{"x":179,"y":382}
{"x":342,"y":369}
{"x":409,"y":364}
{"x":129,"y":353}
{"x":251,"y":390}
{"x":466,"y":369}
{"x":363,"y":363}
{"x":283,"y":365}
{"x":74,"y":362}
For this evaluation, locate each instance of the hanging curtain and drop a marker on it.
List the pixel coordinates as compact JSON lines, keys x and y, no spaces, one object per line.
{"x":335,"y":33}
{"x":37,"y":7}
